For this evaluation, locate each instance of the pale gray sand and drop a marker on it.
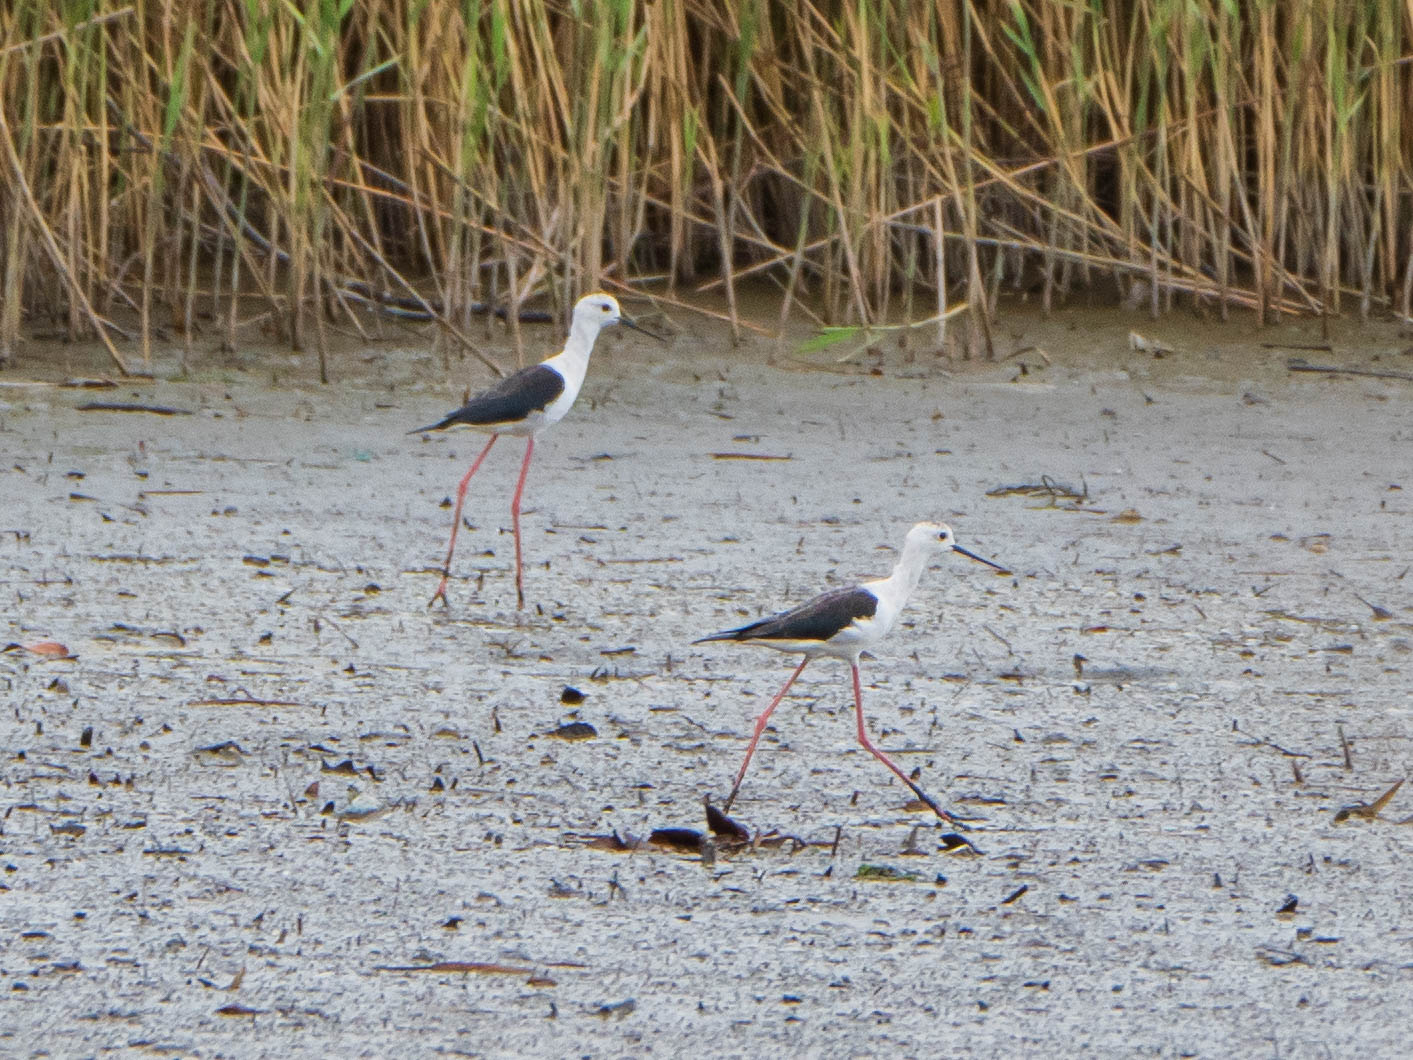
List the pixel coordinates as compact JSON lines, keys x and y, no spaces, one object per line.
{"x":1159,"y":808}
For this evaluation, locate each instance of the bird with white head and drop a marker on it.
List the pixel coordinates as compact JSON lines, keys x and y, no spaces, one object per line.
{"x":524,"y":404}
{"x":843,"y":623}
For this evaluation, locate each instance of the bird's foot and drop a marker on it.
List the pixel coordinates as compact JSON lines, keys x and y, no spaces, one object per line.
{"x":955,"y":822}
{"x":440,"y":594}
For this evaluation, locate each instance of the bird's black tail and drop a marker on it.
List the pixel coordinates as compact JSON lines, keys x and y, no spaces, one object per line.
{"x":739,"y":633}
{"x":440,"y":425}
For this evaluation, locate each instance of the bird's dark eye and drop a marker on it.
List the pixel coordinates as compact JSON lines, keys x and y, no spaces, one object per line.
{"x":604,"y":307}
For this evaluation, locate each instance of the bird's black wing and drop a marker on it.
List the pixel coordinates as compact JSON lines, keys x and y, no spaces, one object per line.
{"x":817,"y":619}
{"x":511,"y":400}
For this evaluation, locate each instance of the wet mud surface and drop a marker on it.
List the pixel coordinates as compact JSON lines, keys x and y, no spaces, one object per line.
{"x":258,"y":797}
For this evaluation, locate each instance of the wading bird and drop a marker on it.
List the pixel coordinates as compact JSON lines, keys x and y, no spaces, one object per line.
{"x":843,"y":623}
{"x":524,"y":404}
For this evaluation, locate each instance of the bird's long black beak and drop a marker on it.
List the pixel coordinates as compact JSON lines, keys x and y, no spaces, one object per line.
{"x":973,"y":555}
{"x":629,"y":322}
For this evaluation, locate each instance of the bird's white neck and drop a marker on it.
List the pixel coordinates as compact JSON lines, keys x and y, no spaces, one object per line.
{"x":573,"y":361}
{"x":582,"y":334}
{"x":898,"y":586}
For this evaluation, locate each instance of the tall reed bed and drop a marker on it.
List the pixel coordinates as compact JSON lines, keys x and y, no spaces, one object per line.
{"x":169,"y":169}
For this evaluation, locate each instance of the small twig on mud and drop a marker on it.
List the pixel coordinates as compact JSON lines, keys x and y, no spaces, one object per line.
{"x":126,"y":406}
{"x":910,"y":844}
{"x":1369,"y":811}
{"x":338,"y":629}
{"x":750,"y":456}
{"x":1046,"y":488}
{"x":1003,"y":640}
{"x":459,"y":967}
{"x":244,"y":702}
{"x":1297,"y":364}
{"x":1381,"y":614}
{"x":1259,"y":741}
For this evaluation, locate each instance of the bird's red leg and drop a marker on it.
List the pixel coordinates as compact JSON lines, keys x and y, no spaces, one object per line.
{"x":863,"y":739}
{"x":515,"y":520}
{"x":440,"y":594}
{"x":760,"y":728}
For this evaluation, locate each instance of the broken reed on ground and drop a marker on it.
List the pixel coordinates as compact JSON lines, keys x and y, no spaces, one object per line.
{"x":169,"y":167}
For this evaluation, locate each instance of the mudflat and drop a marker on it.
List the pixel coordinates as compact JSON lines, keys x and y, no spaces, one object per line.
{"x":259,"y":799}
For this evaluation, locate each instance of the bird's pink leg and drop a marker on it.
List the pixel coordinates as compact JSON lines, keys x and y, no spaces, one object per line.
{"x":863,"y":739}
{"x":515,"y":520}
{"x":760,"y":728}
{"x":440,"y":594}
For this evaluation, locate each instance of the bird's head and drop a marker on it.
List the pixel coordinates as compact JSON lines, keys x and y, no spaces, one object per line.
{"x":937,"y":538}
{"x":596,"y":311}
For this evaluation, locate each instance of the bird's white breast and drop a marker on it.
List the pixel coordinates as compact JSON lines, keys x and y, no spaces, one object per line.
{"x":573,"y":369}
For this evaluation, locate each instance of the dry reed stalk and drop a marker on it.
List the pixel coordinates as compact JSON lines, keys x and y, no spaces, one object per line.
{"x":868,"y":157}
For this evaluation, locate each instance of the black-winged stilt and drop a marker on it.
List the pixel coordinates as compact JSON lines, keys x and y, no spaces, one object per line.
{"x":525,"y":404}
{"x":844,"y":623}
